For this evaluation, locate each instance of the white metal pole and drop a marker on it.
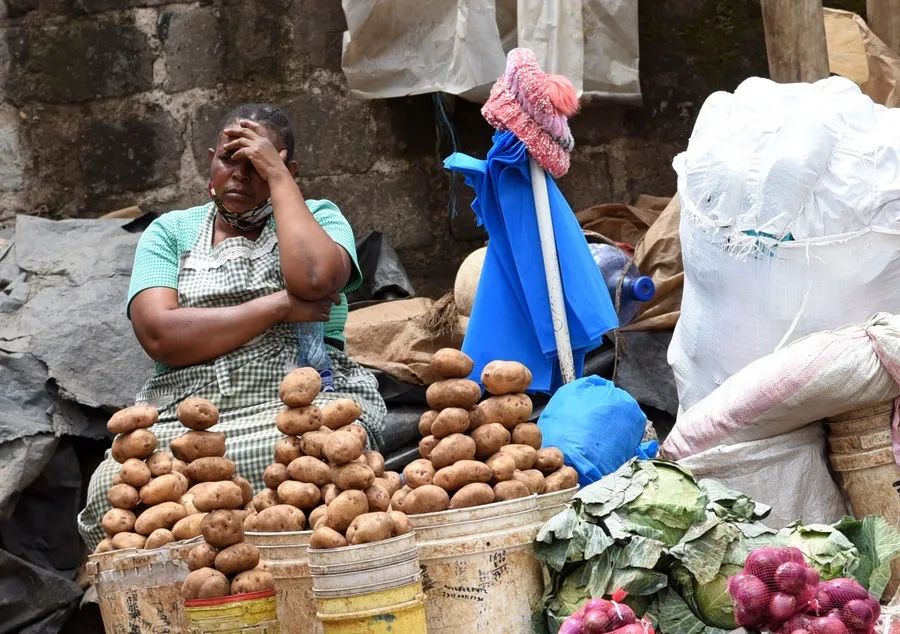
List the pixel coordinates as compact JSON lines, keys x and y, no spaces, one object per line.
{"x":551,"y":271}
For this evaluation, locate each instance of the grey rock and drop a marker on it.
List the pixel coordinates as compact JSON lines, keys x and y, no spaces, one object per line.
{"x":23,"y":401}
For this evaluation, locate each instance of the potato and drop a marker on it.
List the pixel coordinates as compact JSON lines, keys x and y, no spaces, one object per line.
{"x":197,"y":413}
{"x":265,"y":499}
{"x":502,"y":465}
{"x":300,"y":387}
{"x":303,"y":495}
{"x":198,"y":444}
{"x":369,"y":527}
{"x":324,"y":537}
{"x":222,"y":529}
{"x":132,"y":418}
{"x":211,"y":496}
{"x":188,"y":527}
{"x":376,"y":461}
{"x":398,"y":499}
{"x":211,"y":469}
{"x":250,"y":522}
{"x":462,"y":473}
{"x":180,"y":466}
{"x":427,"y":445}
{"x":524,"y":455}
{"x":275,"y":474}
{"x":280,"y":518}
{"x":474,"y":494}
{"x":532,"y":478}
{"x":127,"y":540}
{"x":117,"y":479}
{"x":401,"y":523}
{"x":565,"y":478}
{"x":548,"y":460}
{"x":118,"y":521}
{"x":242,"y":514}
{"x":353,"y":476}
{"x":202,"y":556}
{"x":104,"y":546}
{"x":252,"y":581}
{"x":296,"y":421}
{"x":508,"y":410}
{"x":394,"y":480}
{"x":187,"y":501}
{"x":317,"y":514}
{"x":418,"y":473}
{"x":163,"y":515}
{"x":344,"y":508}
{"x":159,"y":537}
{"x":505,"y":377}
{"x":287,"y":449}
{"x":453,"y":420}
{"x":123,"y":496}
{"x":426,"y":420}
{"x":205,"y":583}
{"x":489,"y":438}
{"x":378,"y":498}
{"x":453,"y":393}
{"x":306,"y":469}
{"x":527,"y":434}
{"x":340,"y":412}
{"x":246,"y":489}
{"x":342,"y":447}
{"x":135,"y":473}
{"x":510,"y":490}
{"x":449,"y":363}
{"x":451,"y":449}
{"x":160,"y":463}
{"x":165,"y":488}
{"x":329,"y":492}
{"x":311,"y":443}
{"x":237,"y":558}
{"x":426,"y":499}
{"x":358,"y":430}
{"x":139,"y":444}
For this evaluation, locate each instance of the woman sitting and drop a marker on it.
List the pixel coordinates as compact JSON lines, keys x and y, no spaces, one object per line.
{"x":230,"y":296}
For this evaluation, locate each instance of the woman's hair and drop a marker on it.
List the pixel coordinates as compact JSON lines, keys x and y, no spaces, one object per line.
{"x":270,"y":116}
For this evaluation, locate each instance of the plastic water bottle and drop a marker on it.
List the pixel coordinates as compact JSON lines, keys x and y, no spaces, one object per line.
{"x":636,"y":288}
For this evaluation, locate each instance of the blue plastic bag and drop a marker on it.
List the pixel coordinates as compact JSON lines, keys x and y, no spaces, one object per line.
{"x":596,"y":425}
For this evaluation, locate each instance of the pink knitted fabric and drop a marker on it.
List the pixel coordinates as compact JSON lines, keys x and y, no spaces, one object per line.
{"x":522,"y":101}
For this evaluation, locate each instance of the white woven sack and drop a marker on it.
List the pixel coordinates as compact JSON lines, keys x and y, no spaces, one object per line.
{"x":822,"y":375}
{"x":789,"y":473}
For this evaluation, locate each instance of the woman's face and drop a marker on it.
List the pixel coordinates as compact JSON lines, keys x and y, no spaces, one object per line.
{"x":236,"y":182}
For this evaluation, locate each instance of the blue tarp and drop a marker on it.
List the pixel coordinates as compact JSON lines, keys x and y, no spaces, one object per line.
{"x":511,"y":315}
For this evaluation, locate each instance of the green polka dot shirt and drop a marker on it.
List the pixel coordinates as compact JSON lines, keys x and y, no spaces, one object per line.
{"x":162,"y":244}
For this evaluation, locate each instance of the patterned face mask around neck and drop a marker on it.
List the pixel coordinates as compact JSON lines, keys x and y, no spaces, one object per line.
{"x":247,"y":221}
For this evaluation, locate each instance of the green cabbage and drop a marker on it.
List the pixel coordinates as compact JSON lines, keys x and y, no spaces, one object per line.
{"x":712,"y":600}
{"x":826,"y":549}
{"x":669,"y":505}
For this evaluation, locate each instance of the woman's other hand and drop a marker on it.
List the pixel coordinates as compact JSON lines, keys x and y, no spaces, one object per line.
{"x":301,"y":310}
{"x":249,"y":141}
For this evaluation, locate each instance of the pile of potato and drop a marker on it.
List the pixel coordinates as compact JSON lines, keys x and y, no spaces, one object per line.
{"x":322,"y":477}
{"x":478,"y":453}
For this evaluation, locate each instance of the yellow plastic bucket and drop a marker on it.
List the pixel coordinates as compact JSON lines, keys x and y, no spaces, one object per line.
{"x":370,"y":588}
{"x":284,"y":555}
{"x":251,"y":613}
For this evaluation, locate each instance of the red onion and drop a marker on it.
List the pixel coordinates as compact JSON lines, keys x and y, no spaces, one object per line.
{"x":782,"y":606}
{"x":857,"y":615}
{"x":790,"y":577}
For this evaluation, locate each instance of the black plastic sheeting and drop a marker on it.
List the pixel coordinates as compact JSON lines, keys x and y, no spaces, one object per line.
{"x":384,"y":277}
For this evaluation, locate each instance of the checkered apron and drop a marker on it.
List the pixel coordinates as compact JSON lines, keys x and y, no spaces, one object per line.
{"x":243,"y":384}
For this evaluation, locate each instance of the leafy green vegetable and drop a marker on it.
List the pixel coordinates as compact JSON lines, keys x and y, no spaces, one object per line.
{"x":826,"y":549}
{"x":675,"y":617}
{"x":878,"y":544}
{"x":669,"y":505}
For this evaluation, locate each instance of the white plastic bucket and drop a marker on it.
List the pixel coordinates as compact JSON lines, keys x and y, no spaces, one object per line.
{"x":552,"y":503}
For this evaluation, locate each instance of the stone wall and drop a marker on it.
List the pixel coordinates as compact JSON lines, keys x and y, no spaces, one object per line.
{"x":109,"y":103}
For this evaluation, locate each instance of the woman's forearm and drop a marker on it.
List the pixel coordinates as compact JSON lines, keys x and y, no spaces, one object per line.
{"x":314,"y":266}
{"x":180,"y":337}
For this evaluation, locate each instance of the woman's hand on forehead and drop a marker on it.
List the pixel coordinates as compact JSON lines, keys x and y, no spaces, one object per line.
{"x":250,"y":140}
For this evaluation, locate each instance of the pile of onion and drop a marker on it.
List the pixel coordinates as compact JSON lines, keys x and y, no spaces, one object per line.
{"x":600,"y":616}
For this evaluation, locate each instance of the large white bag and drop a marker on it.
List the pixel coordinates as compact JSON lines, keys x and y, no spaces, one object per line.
{"x":790,"y":223}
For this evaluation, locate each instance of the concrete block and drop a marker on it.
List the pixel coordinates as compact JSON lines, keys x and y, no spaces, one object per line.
{"x":12,"y":168}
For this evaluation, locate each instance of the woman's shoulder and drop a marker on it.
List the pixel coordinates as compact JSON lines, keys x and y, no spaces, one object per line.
{"x":179,"y":226}
{"x":323,"y":208}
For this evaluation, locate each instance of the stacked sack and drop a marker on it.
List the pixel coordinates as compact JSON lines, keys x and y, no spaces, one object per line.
{"x":321,"y":455}
{"x":478,"y":453}
{"x":145,"y":493}
{"x":216,"y":487}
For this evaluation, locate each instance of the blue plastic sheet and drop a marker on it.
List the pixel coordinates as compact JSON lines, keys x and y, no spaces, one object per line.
{"x":596,"y":425}
{"x":511,"y":314}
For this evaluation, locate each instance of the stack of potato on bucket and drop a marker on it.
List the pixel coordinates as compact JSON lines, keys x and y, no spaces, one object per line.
{"x":478,"y":453}
{"x":223,"y":564}
{"x":322,"y":476}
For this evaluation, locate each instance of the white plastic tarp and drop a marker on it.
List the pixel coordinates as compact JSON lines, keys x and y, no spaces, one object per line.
{"x":394,"y":48}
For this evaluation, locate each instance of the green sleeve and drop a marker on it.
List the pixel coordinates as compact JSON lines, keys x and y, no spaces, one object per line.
{"x":336,"y":226}
{"x":155,"y":260}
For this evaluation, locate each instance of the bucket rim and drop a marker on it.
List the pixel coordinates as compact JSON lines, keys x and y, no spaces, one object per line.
{"x":231,"y":598}
{"x":493,"y":506}
{"x":411,"y":536}
{"x":280,"y":533}
{"x":543,"y":496}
